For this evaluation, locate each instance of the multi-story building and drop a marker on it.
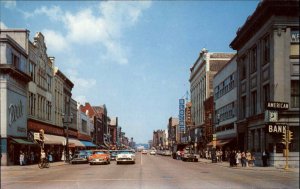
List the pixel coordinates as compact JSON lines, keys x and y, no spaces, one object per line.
{"x":98,"y":115}
{"x":201,"y":77}
{"x":173,"y":133}
{"x":85,"y":128}
{"x":225,"y":105}
{"x":112,"y":129}
{"x":268,"y":71}
{"x":14,"y":78}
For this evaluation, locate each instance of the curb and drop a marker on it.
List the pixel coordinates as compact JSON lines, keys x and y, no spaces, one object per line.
{"x":296,"y":170}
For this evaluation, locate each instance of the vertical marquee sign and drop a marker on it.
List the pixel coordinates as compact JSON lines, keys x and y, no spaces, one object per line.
{"x":181,"y":115}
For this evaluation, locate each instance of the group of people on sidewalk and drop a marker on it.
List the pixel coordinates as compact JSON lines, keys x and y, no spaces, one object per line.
{"x":27,"y":159}
{"x":237,"y":157}
{"x":244,"y":158}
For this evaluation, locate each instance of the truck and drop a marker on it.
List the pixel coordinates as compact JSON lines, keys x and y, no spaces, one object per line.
{"x":187,"y":154}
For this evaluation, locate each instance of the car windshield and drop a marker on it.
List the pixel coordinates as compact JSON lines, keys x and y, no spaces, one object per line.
{"x":99,"y":152}
{"x":125,"y":152}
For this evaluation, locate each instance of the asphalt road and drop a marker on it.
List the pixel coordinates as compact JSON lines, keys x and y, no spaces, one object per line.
{"x":149,"y":172}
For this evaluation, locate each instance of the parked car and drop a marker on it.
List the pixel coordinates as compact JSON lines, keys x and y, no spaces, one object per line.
{"x":113,"y":154}
{"x":87,"y":153}
{"x":152,"y":152}
{"x":99,"y":157}
{"x":79,"y":158}
{"x":144,"y":152}
{"x":125,"y":156}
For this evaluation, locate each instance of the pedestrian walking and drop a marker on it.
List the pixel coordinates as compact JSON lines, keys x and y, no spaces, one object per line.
{"x":22,"y":158}
{"x":232,"y":158}
{"x":265,"y":157}
{"x":238,"y":158}
{"x":243,"y":159}
{"x":50,"y":157}
{"x":31,"y":157}
{"x":248,"y":158}
{"x":253,"y":159}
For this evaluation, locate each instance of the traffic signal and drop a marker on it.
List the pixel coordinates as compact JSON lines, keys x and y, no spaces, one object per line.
{"x":290,"y":135}
{"x":42,"y":135}
{"x":284,"y":138}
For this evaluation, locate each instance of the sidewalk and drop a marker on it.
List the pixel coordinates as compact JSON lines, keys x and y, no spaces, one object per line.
{"x":256,"y":168}
{"x":33,"y":166}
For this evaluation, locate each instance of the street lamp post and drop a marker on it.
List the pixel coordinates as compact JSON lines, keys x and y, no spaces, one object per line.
{"x":66,"y":120}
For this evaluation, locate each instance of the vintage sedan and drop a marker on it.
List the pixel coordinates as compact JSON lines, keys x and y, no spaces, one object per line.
{"x":79,"y":158}
{"x":99,"y":157}
{"x":125,"y":156}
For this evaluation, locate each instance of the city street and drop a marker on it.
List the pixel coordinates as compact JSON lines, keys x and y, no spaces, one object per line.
{"x":149,"y":172}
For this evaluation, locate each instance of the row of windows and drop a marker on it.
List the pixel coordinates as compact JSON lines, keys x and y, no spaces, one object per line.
{"x":253,"y":101}
{"x":265,"y":43}
{"x":225,"y":112}
{"x":39,"y":106}
{"x":224,"y":87}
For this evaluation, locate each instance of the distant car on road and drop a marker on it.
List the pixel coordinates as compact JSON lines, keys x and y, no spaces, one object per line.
{"x":79,"y":158}
{"x":144,"y":152}
{"x":152,"y":152}
{"x":125,"y":156}
{"x":100,"y":157}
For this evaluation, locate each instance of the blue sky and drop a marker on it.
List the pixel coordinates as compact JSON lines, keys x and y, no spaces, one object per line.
{"x":132,"y":56}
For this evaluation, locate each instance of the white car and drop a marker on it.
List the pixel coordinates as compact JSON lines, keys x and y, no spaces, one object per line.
{"x":125,"y":156}
{"x":152,"y":152}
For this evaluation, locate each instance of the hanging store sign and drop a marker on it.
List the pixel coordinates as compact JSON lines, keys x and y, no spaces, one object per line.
{"x":181,"y":114}
{"x":276,"y":128}
{"x":277,"y":105}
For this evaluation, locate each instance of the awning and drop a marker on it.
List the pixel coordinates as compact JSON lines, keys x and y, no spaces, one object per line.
{"x":75,"y":142}
{"x":88,"y":143}
{"x":23,"y":141}
{"x":220,"y":142}
{"x":53,"y":139}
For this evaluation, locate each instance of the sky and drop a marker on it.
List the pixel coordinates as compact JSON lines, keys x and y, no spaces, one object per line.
{"x":133,"y":56}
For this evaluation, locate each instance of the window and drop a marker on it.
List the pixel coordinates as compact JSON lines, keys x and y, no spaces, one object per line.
{"x":15,"y":61}
{"x":49,"y":82}
{"x":266,"y":95}
{"x":253,"y":60}
{"x":243,"y":69}
{"x":266,"y":50}
{"x":32,"y":71}
{"x":253,"y":101}
{"x":295,"y":93}
{"x":243,"y":107}
{"x":84,"y":126}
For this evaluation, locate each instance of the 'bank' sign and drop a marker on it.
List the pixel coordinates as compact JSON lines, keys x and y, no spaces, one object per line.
{"x":276,"y":128}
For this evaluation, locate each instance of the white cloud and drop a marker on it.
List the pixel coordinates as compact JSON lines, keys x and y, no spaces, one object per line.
{"x":55,"y":41}
{"x":105,"y":26}
{"x":3,"y":26}
{"x":54,"y":13}
{"x":9,"y":4}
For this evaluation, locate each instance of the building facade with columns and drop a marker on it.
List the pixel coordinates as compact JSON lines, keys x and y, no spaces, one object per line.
{"x":268,"y":71}
{"x":201,"y":85}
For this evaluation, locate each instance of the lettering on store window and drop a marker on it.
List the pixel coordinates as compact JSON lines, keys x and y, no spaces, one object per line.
{"x":15,"y":112}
